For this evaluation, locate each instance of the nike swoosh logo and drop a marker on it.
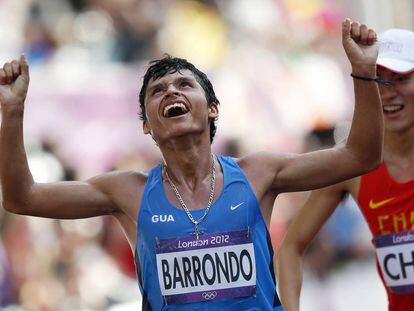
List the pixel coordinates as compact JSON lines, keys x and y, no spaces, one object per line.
{"x":374,"y":205}
{"x":236,"y":206}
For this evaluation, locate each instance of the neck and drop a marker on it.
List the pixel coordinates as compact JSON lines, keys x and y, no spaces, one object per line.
{"x":188,"y":163}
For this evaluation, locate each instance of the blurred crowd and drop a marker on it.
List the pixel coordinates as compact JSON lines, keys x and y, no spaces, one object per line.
{"x":277,"y":67}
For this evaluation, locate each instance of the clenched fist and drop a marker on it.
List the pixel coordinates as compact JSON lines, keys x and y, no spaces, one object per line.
{"x":14,"y":82}
{"x":360,"y":45}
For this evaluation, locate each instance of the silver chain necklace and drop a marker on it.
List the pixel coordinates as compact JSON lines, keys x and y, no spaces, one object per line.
{"x":197,"y":232}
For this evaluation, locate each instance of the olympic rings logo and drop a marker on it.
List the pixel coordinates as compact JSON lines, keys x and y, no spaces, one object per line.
{"x":209,"y":295}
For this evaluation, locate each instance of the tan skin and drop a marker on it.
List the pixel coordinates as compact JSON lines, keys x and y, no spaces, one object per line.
{"x":399,"y":159}
{"x":185,"y":145}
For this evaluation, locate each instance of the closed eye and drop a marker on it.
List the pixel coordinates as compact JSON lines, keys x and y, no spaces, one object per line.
{"x":185,"y":84}
{"x":156,"y":90}
{"x":403,"y":78}
{"x":399,"y":78}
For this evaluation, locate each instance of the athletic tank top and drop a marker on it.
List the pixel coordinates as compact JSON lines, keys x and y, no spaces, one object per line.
{"x":230,"y":266}
{"x":388,"y":207}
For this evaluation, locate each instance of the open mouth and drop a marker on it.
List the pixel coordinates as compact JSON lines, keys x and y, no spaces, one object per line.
{"x":174,"y":110}
{"x":390,"y":109}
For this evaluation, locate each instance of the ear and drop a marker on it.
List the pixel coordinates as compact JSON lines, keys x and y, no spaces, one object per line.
{"x":146,"y":128}
{"x":213,"y":112}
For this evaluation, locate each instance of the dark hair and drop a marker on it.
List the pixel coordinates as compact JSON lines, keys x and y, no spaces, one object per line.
{"x":167,"y":65}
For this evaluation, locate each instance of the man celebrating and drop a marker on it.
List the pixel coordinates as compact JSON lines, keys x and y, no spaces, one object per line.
{"x":385,"y":196}
{"x":198,"y":223}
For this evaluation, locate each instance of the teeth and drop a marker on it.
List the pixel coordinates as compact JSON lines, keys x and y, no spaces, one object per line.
{"x":392,"y":108}
{"x":174,"y":105}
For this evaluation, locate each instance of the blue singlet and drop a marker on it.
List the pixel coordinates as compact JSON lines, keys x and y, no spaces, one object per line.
{"x":230,"y":266}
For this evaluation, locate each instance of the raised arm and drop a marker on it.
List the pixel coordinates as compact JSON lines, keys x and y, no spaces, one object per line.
{"x":362,"y":151}
{"x":304,"y":227}
{"x":20,"y":193}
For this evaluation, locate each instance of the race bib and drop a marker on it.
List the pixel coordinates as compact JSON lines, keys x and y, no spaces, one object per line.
{"x":395,"y":253}
{"x":217,"y":265}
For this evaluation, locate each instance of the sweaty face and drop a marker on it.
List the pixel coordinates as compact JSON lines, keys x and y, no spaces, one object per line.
{"x":176,"y":105}
{"x":397,"y":100}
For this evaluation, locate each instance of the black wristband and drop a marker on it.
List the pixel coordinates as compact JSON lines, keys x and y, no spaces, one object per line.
{"x":376,"y":79}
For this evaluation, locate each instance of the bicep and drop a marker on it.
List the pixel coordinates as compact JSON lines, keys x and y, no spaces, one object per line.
{"x":308,"y":171}
{"x":68,"y":200}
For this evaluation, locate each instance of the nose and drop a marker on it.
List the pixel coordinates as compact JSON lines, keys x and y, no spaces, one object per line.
{"x":172,"y":90}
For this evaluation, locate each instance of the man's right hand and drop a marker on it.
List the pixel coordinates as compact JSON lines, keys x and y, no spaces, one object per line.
{"x":361,"y":48}
{"x":14,"y":82}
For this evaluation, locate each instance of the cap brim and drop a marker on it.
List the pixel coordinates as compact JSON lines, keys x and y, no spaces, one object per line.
{"x":396,"y":65}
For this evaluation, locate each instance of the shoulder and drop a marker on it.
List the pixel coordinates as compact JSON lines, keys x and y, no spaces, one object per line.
{"x":260,"y":169}
{"x":263,"y":165}
{"x":120,"y":181}
{"x":124,"y":188}
{"x":258,"y":160}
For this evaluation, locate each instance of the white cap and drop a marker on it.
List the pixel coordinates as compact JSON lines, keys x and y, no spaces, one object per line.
{"x":396,"y":50}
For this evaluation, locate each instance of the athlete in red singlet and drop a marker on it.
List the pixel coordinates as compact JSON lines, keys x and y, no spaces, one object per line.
{"x":385,"y":196}
{"x":388,"y":207}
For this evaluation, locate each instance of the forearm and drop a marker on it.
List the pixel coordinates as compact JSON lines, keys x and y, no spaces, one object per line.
{"x":15,"y":176}
{"x":366,"y":136}
{"x":289,"y":274}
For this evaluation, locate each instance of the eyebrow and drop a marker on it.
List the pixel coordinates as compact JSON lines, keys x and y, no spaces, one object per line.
{"x":185,"y":79}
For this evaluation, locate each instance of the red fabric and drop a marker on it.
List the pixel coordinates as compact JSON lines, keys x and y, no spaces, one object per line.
{"x":388,"y":207}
